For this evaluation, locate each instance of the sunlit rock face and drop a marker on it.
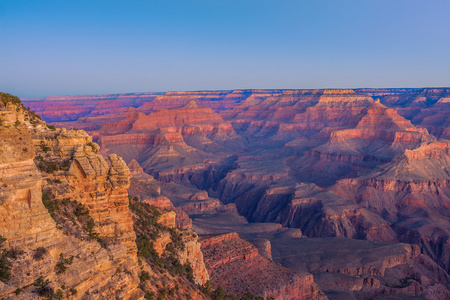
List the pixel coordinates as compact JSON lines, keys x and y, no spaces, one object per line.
{"x":27,"y":150}
{"x":25,"y":220}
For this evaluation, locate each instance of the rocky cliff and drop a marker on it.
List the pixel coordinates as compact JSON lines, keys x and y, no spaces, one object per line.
{"x":173,"y":141}
{"x":355,"y":269}
{"x":54,"y":258}
{"x":237,"y":266}
{"x":69,"y":231}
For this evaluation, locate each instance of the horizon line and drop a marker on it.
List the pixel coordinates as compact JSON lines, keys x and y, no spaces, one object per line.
{"x":244,"y":90}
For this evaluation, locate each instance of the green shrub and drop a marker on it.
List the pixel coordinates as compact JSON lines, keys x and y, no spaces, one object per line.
{"x":94,"y":149}
{"x":45,"y":148}
{"x":177,"y":239}
{"x":80,"y":210}
{"x":18,"y":291}
{"x":145,"y":247}
{"x":144,"y":276}
{"x":8,"y":98}
{"x":50,"y":205}
{"x":6,"y":256}
{"x":63,"y":263}
{"x":50,"y":166}
{"x":149,"y":295}
{"x":5,"y":267}
{"x":65,"y":164}
{"x":219,"y":294}
{"x":208,"y":288}
{"x":43,"y":288}
{"x":89,"y":228}
{"x":59,"y":295}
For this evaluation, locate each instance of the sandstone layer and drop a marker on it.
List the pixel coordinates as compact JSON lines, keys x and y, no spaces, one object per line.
{"x":70,"y":263}
{"x":237,"y":266}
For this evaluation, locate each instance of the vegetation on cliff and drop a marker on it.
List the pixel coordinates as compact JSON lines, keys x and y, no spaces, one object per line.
{"x":8,"y":98}
{"x":71,"y":216}
{"x":29,"y":115}
{"x":7,"y":256}
{"x":52,"y":214}
{"x":148,"y":230}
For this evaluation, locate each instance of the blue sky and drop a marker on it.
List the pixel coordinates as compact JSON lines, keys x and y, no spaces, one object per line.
{"x":87,"y":47}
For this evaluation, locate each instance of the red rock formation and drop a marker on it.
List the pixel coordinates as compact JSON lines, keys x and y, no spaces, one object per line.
{"x":361,"y":269}
{"x":424,"y":107}
{"x":236,"y":265}
{"x":379,"y":135}
{"x":170,"y":142}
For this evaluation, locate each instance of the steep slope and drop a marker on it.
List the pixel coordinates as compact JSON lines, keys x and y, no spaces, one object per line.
{"x":171,"y":259}
{"x":75,"y":263}
{"x":379,"y":135}
{"x":415,"y":189}
{"x":353,"y":269}
{"x":403,"y":200}
{"x":68,"y":228}
{"x":237,"y":266}
{"x":427,"y":107}
{"x":171,"y":141}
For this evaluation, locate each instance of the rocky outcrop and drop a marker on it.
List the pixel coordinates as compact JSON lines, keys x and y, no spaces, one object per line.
{"x":264,"y":247}
{"x":193,"y":255}
{"x":25,"y":222}
{"x":67,"y":168}
{"x":237,"y":266}
{"x":361,"y":269}
{"x":90,"y":180}
{"x":173,"y":255}
{"x":147,"y":189}
{"x":170,"y":143}
{"x":379,"y":135}
{"x":427,"y":108}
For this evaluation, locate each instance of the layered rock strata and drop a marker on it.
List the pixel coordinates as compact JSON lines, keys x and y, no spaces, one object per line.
{"x":70,"y":262}
{"x":237,"y":266}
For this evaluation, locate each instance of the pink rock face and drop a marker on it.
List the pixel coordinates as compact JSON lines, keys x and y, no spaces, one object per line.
{"x":428,"y":108}
{"x":187,"y":120}
{"x":237,"y":266}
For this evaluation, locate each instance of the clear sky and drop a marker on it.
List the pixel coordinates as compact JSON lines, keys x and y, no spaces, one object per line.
{"x":68,"y":47}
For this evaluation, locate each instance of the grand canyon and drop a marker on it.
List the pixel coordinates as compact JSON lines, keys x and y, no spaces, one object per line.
{"x":236,"y":194}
